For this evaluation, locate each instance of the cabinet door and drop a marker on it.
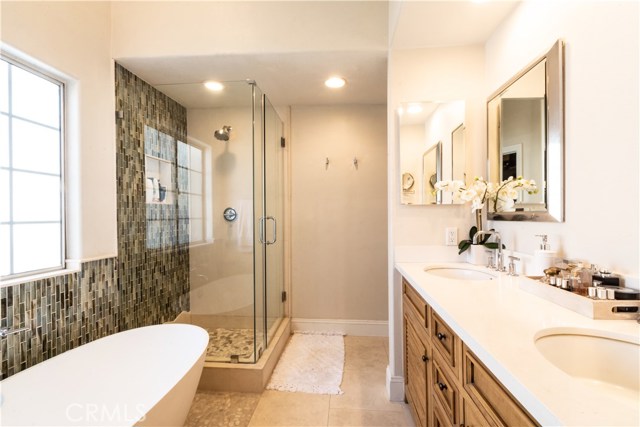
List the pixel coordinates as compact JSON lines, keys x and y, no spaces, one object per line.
{"x":416,"y":361}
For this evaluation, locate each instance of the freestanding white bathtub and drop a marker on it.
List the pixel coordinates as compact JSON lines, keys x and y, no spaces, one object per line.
{"x":145,"y":376}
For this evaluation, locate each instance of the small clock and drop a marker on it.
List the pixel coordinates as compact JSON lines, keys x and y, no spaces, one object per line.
{"x":407,"y":181}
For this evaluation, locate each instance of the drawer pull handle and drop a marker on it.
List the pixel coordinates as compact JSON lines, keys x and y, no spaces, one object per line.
{"x":441,"y":336}
{"x":424,"y":358}
{"x":442,"y":386}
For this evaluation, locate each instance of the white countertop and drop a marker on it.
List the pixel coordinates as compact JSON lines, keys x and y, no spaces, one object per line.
{"x":498,"y":322}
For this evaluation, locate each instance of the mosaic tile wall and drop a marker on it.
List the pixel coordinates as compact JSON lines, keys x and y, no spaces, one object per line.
{"x":63,"y":312}
{"x":153,"y":267}
{"x":146,"y":284}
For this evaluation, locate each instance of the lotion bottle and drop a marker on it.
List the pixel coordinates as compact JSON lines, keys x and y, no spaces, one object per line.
{"x":544,"y":257}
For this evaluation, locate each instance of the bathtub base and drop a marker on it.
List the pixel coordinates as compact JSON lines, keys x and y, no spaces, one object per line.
{"x":248,"y":378}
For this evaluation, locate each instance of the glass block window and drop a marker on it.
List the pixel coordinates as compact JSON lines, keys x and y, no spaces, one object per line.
{"x":31,"y":171}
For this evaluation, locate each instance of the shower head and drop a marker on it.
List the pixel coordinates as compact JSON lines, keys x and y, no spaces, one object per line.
{"x":223,"y":133}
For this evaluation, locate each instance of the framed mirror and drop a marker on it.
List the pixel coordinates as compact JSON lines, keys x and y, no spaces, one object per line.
{"x":432,"y":148}
{"x":525,"y":137}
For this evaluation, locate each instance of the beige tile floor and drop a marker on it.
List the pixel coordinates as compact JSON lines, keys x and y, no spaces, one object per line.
{"x":364,"y":402}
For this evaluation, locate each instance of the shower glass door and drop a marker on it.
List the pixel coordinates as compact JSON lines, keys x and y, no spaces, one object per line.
{"x":274,"y":213}
{"x":230,"y":182}
{"x":259,"y":221}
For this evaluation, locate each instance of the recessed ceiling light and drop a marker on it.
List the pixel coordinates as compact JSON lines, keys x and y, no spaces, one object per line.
{"x":414,"y":108}
{"x":215,"y":86}
{"x":335,"y":82}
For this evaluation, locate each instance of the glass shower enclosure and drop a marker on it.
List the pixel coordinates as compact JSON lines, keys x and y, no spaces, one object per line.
{"x":233,"y":162}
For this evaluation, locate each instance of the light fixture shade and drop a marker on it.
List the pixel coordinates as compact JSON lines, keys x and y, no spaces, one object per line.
{"x":335,"y":82}
{"x":414,"y":108}
{"x":214,"y":86}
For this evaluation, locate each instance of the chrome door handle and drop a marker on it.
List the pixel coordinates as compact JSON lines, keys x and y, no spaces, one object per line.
{"x":275,"y":231}
{"x":261,"y":230}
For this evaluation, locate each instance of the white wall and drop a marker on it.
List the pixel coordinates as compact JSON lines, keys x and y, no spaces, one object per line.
{"x":601,"y":124}
{"x":441,"y":74}
{"x":437,"y":74}
{"x":73,"y":38}
{"x":339,"y":240}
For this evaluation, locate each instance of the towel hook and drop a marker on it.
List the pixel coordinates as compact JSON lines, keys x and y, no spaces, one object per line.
{"x":355,"y":162}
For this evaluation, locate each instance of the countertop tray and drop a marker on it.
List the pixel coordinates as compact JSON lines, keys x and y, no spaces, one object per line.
{"x":592,"y":308}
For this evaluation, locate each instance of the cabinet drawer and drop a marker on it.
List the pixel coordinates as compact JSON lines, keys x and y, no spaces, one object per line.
{"x":446,"y":342}
{"x":416,"y":301}
{"x":444,"y":389}
{"x":470,"y":415}
{"x":412,"y":316}
{"x":439,"y":418}
{"x":490,"y":395}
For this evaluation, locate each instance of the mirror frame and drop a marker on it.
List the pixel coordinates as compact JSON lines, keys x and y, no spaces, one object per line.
{"x":555,"y":155}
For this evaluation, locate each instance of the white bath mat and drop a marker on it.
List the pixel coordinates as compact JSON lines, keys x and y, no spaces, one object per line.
{"x":310,"y":363}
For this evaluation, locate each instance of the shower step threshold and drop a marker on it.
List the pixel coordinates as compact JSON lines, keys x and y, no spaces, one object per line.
{"x":246,"y":377}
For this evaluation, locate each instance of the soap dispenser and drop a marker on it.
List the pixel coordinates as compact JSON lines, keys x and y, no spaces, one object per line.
{"x":544,"y":257}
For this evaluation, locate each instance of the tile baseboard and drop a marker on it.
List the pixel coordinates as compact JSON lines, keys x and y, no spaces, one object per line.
{"x":395,"y":387}
{"x":363,"y":328}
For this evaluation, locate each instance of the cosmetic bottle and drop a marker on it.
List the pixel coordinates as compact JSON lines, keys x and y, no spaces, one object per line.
{"x":543,"y":257}
{"x":581,"y":279}
{"x":607,"y":278}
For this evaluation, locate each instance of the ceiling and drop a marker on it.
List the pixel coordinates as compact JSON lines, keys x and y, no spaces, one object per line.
{"x":287,"y":78}
{"x":424,"y":24}
{"x":296,"y":77}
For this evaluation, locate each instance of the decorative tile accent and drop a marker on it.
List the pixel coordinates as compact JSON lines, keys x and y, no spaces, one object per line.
{"x":144,"y":285}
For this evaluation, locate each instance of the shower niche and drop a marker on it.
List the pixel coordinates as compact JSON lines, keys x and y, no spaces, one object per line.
{"x":159,"y":166}
{"x":232,"y":158}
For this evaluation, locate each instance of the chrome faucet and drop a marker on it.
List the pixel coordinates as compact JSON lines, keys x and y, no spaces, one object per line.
{"x":499,"y":261}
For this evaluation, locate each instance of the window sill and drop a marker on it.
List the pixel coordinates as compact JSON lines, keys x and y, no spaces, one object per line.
{"x":71,"y":268}
{"x":201,"y":243}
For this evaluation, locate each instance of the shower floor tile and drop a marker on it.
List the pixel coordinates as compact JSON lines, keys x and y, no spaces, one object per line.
{"x":227,"y":343}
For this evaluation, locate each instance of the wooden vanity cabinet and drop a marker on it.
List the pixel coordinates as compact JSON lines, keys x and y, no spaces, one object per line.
{"x":445,"y":383}
{"x":417,"y":355}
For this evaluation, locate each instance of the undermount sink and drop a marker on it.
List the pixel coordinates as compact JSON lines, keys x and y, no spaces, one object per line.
{"x":603,"y":359}
{"x":460,"y":272}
